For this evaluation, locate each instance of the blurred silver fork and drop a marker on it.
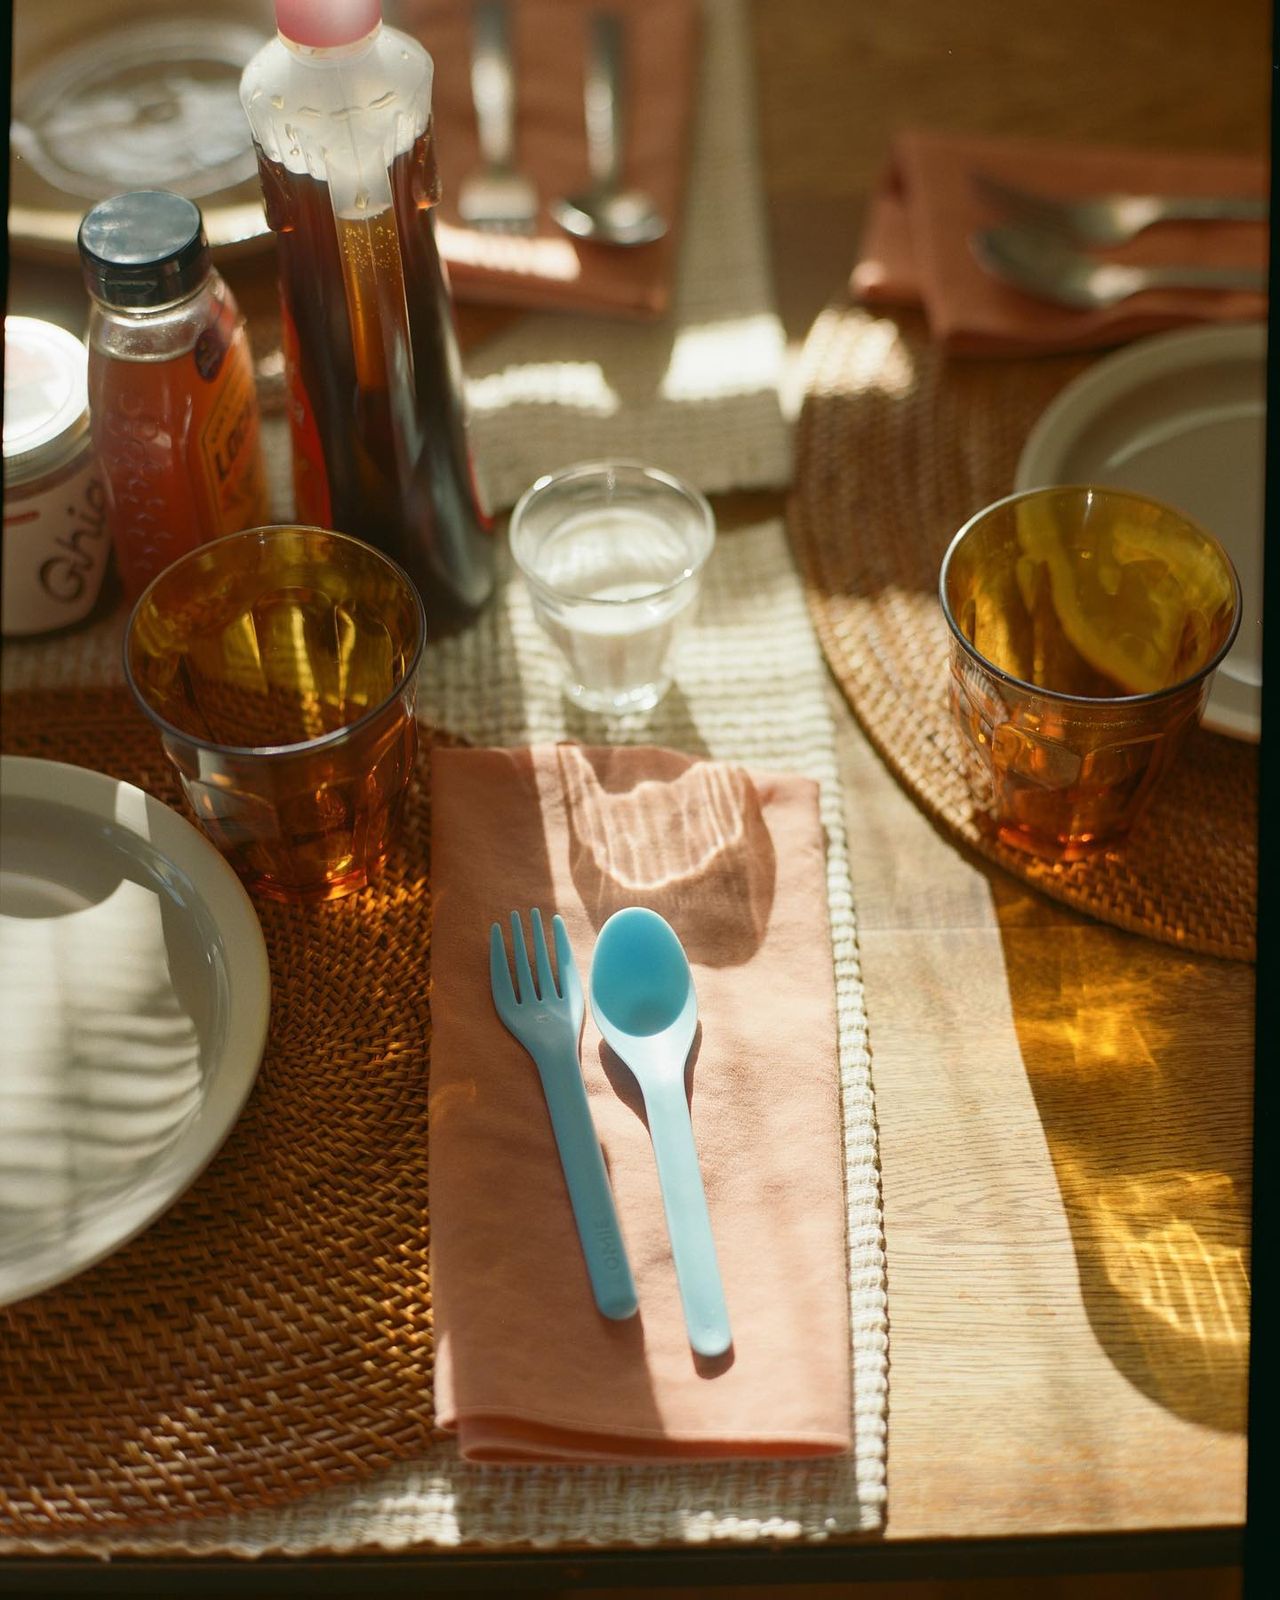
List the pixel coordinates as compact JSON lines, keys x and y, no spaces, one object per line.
{"x":548,"y":1023}
{"x":1109,"y":219}
{"x":496,"y":196}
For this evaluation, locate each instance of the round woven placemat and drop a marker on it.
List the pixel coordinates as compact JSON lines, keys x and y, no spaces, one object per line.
{"x":897,"y":446}
{"x":271,"y":1333}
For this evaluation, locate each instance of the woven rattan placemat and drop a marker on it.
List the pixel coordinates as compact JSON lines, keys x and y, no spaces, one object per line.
{"x":897,"y":446}
{"x":494,"y":683}
{"x":284,"y":1338}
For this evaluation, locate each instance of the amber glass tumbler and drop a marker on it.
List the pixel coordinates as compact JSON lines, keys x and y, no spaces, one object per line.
{"x":280,"y":668}
{"x":1086,"y":624}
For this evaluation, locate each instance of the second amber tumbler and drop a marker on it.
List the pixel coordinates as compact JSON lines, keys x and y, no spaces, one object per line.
{"x":280,"y":667}
{"x":1086,"y":624}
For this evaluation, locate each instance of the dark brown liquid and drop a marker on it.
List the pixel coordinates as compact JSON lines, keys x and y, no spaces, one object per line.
{"x":380,"y":449}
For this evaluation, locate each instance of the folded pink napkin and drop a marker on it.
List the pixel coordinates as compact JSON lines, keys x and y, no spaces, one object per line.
{"x":526,"y":1368}
{"x":549,"y":269}
{"x":915,"y":247}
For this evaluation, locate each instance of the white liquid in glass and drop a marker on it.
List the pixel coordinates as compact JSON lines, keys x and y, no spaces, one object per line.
{"x":619,"y":603}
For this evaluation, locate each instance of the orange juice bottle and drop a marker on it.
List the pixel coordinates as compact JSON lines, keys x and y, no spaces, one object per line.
{"x":172,"y":403}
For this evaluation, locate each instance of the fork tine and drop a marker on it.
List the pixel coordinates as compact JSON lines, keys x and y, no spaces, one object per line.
{"x":499,"y":972}
{"x":524,"y":978}
{"x":546,"y":983}
{"x":569,"y":979}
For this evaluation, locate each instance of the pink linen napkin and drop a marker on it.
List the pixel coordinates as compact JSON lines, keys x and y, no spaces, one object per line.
{"x":549,"y":269}
{"x":915,"y":247}
{"x":527,"y":1370}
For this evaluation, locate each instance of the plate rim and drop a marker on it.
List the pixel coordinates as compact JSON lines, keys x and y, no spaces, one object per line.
{"x":1114,"y":375}
{"x":44,"y":225}
{"x":247,"y":998}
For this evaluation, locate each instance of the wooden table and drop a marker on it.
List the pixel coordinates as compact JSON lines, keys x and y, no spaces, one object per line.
{"x":1064,"y":1109}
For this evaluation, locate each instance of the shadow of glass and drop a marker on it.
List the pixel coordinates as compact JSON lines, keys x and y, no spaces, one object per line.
{"x":1149,"y":1129}
{"x":688,"y":840}
{"x":671,"y":722}
{"x":458,"y":662}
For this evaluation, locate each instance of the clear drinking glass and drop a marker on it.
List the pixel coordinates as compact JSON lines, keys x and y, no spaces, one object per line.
{"x":280,"y":667}
{"x":1086,"y":625}
{"x":613,"y":553}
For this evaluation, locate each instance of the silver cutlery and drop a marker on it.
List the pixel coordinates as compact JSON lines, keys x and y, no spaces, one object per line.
{"x":496,"y":196}
{"x":607,"y":212}
{"x":1040,"y":264}
{"x":1109,"y":219}
{"x":547,"y":1020}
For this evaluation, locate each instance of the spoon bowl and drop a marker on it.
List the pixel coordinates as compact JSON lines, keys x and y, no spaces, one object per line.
{"x":644,"y":1003}
{"x":642,"y":988}
{"x":607,"y":212}
{"x":610,"y":216}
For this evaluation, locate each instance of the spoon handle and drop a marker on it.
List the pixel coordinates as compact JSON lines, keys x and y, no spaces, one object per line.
{"x":1205,"y":278}
{"x":688,"y":1220}
{"x":602,"y":98}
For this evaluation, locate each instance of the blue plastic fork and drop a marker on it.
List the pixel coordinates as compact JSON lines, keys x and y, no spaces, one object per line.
{"x":548,"y":1023}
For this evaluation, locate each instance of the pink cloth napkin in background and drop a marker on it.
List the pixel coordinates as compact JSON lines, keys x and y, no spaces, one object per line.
{"x":915,"y":247}
{"x":549,"y":269}
{"x":526,"y":1368}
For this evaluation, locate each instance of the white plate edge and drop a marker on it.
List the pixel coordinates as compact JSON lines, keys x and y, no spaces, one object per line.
{"x":248,"y":991}
{"x":1080,"y":400}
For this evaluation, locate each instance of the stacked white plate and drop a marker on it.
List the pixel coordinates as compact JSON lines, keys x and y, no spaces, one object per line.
{"x":1181,"y":418}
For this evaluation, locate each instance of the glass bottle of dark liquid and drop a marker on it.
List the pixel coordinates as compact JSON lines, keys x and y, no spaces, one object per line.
{"x":340,"y":108}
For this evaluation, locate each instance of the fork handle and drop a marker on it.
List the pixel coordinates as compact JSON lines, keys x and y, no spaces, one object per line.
{"x":590,"y":1196}
{"x":493,"y":82}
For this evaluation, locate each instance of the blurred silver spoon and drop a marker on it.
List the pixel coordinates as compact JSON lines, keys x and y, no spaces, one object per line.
{"x":1040,"y":264}
{"x":607,"y":213}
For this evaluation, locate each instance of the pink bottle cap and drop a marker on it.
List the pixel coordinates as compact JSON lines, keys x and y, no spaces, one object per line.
{"x":320,"y":24}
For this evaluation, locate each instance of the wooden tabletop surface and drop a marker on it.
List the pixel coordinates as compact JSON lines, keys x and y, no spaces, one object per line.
{"x":1064,"y":1109}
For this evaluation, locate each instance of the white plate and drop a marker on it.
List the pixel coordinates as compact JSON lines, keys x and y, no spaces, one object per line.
{"x":1180,"y":417}
{"x":134,"y":993}
{"x":151,"y":104}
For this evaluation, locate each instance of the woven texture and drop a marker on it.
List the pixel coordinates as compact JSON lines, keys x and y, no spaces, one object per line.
{"x":284,"y":1343}
{"x":896,"y":447}
{"x":272,"y":1330}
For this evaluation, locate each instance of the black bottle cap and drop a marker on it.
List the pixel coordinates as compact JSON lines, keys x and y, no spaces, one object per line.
{"x":144,"y":248}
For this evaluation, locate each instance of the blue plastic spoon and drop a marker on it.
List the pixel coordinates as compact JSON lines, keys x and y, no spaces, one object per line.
{"x":643,"y":1000}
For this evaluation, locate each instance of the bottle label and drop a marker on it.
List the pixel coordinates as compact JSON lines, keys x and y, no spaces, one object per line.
{"x":230,"y":443}
{"x":312,"y":501}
